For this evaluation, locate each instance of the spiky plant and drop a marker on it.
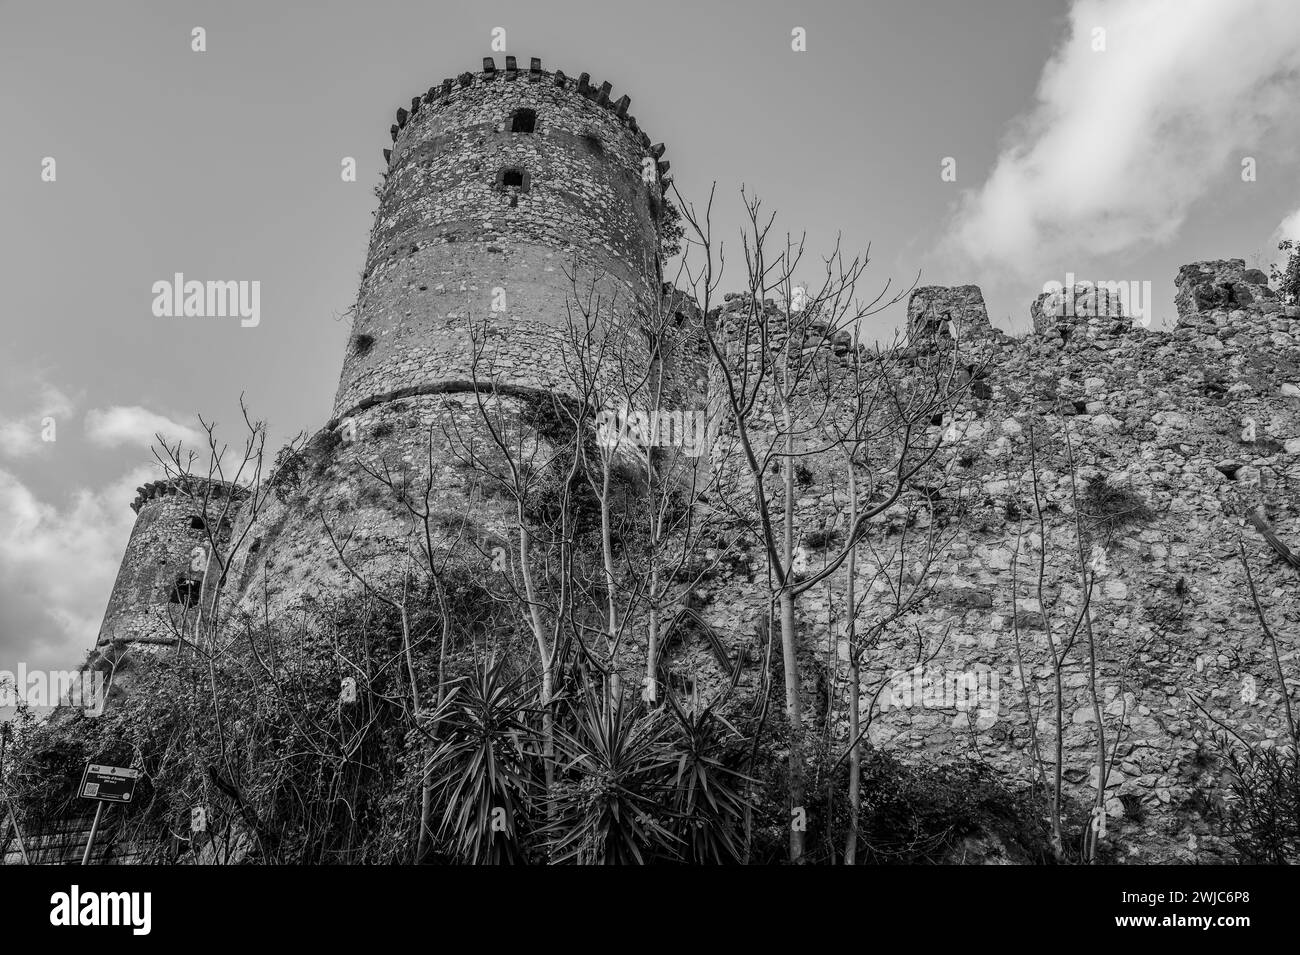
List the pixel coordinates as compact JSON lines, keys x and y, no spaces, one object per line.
{"x":706,"y":794}
{"x":481,"y":780}
{"x":608,"y":805}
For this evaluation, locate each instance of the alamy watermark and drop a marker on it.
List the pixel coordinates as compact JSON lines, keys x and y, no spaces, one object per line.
{"x":46,"y":689}
{"x":1079,"y":297}
{"x":966,"y":691}
{"x":75,"y":908}
{"x":653,"y":429}
{"x":194,"y":299}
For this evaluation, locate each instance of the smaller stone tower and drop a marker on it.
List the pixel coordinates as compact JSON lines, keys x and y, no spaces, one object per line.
{"x":167,"y":558}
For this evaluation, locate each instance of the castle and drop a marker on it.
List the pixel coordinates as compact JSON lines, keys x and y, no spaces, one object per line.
{"x":508,"y":191}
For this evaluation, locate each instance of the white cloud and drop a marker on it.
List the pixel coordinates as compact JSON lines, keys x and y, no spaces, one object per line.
{"x":21,"y":434}
{"x":57,"y":566}
{"x":1121,"y":143}
{"x":19,"y":437}
{"x":1289,"y":228}
{"x":137,"y":427}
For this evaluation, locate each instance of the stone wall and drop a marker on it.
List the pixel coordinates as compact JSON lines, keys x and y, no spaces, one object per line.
{"x":348,"y":494}
{"x":1187,"y":434}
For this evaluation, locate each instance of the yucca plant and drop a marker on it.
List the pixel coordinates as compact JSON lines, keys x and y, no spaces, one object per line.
{"x":608,"y":804}
{"x":480,"y":774}
{"x":706,"y":794}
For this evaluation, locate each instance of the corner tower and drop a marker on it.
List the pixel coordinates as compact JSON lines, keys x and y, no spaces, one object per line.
{"x":499,"y":183}
{"x":167,"y":558}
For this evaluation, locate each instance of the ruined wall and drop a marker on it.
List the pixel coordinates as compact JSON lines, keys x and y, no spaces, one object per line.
{"x":948,"y":312}
{"x":1201,"y":428}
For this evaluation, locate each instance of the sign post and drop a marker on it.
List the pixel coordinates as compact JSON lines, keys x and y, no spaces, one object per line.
{"x":105,"y":784}
{"x":94,"y":827}
{"x":12,"y":819}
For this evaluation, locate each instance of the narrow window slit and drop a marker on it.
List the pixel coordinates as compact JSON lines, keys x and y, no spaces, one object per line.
{"x":523,"y":121}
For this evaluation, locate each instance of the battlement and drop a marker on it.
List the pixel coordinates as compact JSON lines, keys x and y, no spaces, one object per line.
{"x":1221,"y":285}
{"x":581,"y":86}
{"x":1092,"y":308}
{"x":947,"y":312}
{"x":191,"y":487}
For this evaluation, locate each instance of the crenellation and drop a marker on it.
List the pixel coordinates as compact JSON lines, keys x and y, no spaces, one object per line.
{"x":956,"y":313}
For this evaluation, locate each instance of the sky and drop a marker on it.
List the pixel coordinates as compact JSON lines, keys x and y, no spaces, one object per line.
{"x":1006,"y":143}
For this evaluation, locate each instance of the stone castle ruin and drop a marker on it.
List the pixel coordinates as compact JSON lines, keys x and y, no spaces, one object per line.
{"x":508,"y":189}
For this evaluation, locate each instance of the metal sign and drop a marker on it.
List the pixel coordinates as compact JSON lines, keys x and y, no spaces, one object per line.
{"x":108,"y":783}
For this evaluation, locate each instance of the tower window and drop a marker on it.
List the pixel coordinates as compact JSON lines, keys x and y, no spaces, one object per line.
{"x":523,"y":121}
{"x":513,"y":178}
{"x":185,"y":592}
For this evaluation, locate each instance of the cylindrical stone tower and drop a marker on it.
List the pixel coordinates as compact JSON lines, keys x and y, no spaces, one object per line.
{"x":499,"y":183}
{"x":167,"y":558}
{"x":503,"y":186}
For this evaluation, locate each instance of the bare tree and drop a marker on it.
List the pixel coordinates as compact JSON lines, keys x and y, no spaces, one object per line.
{"x":780,"y":383}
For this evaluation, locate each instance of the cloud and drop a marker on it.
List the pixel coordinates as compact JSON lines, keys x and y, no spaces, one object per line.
{"x":21,"y":435}
{"x":57,"y":566}
{"x":1122,"y":142}
{"x":1289,"y":228}
{"x":18,"y":437}
{"x":137,"y":427}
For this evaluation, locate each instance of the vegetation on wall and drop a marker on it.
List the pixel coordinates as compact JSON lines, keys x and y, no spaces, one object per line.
{"x":1286,"y":277}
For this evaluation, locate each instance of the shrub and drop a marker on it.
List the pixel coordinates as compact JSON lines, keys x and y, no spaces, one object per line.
{"x":1287,"y":277}
{"x":922,"y":814}
{"x":1109,"y":508}
{"x":821,"y":539}
{"x":1263,"y":823}
{"x":286,"y":472}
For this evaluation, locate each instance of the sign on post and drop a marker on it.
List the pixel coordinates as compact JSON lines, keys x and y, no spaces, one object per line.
{"x":105,"y":784}
{"x":108,"y":783}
